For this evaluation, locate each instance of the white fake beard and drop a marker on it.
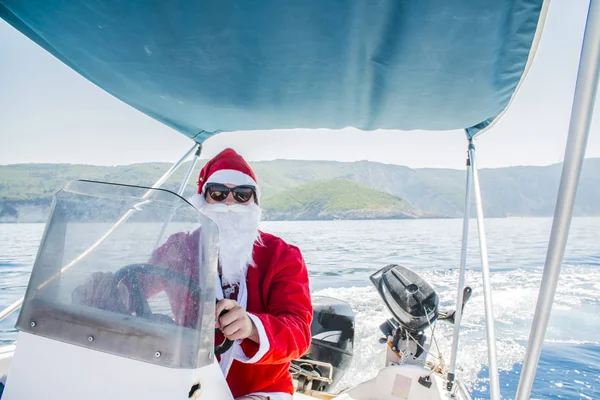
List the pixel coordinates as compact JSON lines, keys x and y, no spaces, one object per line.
{"x":238,"y":231}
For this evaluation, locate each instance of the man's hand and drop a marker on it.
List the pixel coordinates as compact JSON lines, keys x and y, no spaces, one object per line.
{"x":235,"y":324}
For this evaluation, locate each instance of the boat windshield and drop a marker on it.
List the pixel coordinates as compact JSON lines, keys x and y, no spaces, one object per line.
{"x":126,"y":270}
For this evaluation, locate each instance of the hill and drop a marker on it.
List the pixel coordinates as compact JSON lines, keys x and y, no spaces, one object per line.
{"x":26,"y":189}
{"x":335,"y":199}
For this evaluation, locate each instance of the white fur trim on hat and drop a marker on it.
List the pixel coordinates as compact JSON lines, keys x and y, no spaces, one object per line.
{"x":232,"y":177}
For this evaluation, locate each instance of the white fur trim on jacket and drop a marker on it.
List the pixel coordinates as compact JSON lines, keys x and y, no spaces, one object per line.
{"x":235,"y":350}
{"x":264,"y":344}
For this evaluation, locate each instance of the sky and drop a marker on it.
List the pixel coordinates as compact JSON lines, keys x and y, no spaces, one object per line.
{"x":50,"y":114}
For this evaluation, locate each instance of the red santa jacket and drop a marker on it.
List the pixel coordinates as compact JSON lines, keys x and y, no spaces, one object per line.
{"x":278,"y":302}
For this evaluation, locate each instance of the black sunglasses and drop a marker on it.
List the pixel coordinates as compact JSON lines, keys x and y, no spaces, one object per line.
{"x":241,"y":194}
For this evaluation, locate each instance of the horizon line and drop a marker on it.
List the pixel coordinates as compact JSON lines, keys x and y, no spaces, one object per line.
{"x":283,"y":159}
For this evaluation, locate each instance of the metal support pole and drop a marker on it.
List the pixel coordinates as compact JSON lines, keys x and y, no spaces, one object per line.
{"x":170,"y":171}
{"x":184,"y":183}
{"x":487,"y":290}
{"x":186,"y":178}
{"x":461,"y":273}
{"x":581,"y":118}
{"x":15,"y":306}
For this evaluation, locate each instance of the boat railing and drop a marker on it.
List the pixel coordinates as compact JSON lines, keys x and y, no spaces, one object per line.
{"x":584,"y":100}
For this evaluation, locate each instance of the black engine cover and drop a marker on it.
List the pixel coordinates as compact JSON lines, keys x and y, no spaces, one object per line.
{"x":411,"y":300}
{"x":332,"y":332}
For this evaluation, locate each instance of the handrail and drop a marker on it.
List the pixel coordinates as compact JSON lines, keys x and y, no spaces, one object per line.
{"x":461,"y":274}
{"x":579,"y":129}
{"x":487,"y":288}
{"x":182,"y":186}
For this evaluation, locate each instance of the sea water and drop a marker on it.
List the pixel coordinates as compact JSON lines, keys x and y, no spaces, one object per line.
{"x":342,"y":254}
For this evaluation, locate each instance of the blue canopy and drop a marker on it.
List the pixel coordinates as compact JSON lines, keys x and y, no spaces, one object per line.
{"x":206,"y":66}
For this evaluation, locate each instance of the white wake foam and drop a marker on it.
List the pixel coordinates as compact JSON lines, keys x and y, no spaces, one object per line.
{"x":514,"y":300}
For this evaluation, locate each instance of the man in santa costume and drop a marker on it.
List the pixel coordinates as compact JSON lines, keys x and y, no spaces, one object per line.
{"x":264,"y":280}
{"x":263,"y":283}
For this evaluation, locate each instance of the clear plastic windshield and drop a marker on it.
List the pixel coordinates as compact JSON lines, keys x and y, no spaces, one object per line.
{"x":126,"y":270}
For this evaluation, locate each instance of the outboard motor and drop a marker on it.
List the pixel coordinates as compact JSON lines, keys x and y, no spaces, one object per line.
{"x":414,"y":305}
{"x":331,"y":349}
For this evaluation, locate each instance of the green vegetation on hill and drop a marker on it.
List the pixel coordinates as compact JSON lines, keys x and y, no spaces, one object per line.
{"x":26,"y":190}
{"x":39,"y":182}
{"x":337,"y":198}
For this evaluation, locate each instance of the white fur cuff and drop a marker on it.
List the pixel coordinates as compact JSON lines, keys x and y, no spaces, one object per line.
{"x":264,"y":344}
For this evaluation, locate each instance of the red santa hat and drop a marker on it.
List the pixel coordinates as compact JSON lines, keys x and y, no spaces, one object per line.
{"x":227,"y":167}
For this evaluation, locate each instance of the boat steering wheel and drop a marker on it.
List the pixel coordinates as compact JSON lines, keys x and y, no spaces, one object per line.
{"x":140,"y":303}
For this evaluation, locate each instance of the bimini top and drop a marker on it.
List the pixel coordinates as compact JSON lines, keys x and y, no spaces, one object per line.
{"x":207,"y":66}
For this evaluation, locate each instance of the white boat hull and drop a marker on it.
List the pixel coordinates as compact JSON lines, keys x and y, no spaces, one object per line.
{"x":396,"y":382}
{"x":42,"y":368}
